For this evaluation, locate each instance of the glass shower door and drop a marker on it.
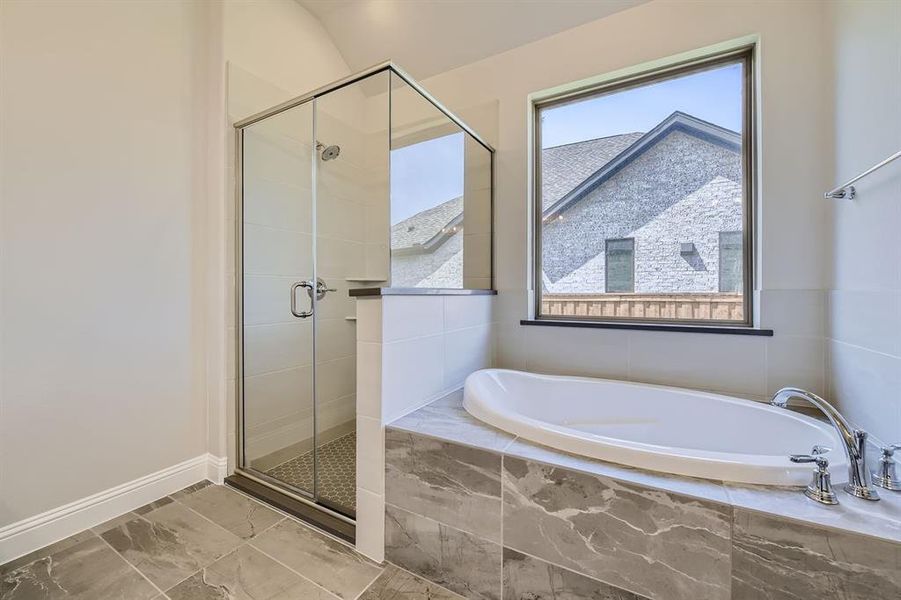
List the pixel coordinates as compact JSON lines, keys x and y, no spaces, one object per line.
{"x":351,"y":250}
{"x":278,"y":279}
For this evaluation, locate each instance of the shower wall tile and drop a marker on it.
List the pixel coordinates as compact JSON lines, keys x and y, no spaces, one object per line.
{"x":461,"y":562}
{"x":653,"y":543}
{"x":526,"y":577}
{"x":778,"y":559}
{"x":456,"y":485}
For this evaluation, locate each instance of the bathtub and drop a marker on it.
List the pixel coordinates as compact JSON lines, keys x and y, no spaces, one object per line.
{"x":659,"y":428}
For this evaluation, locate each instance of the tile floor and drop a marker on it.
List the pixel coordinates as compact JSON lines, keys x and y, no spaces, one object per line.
{"x":337,"y":471}
{"x":206,"y":542}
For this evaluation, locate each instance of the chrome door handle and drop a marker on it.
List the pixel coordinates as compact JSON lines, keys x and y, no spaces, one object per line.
{"x":304,"y":314}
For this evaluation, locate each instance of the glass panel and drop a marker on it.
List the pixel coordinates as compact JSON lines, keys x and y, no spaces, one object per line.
{"x":661,"y":163}
{"x":440,"y":198}
{"x":731,"y":262}
{"x":278,"y":254}
{"x":620,"y":266}
{"x":351,"y":249}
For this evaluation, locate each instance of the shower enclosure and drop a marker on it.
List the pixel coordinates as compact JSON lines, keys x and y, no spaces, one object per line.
{"x":368,"y":182}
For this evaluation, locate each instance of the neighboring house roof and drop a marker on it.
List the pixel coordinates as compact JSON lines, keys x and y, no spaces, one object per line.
{"x":425,"y":230}
{"x":564,"y":167}
{"x":678,"y":121}
{"x":569,"y":172}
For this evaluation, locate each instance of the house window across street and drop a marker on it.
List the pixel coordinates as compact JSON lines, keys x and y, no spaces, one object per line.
{"x":644,"y":197}
{"x":620,"y":266}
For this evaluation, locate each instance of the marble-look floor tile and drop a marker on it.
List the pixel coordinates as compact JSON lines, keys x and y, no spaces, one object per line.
{"x":89,"y":570}
{"x":397,"y":584}
{"x":459,"y":561}
{"x":456,"y":485}
{"x":777,"y":559}
{"x":170,"y":543}
{"x":190,"y":489}
{"x":319,"y":558}
{"x":239,"y":514}
{"x":529,"y":578}
{"x":114,"y":522}
{"x":446,"y":419}
{"x":143,"y":510}
{"x":45,"y":551}
{"x":653,"y":543}
{"x":247,"y":574}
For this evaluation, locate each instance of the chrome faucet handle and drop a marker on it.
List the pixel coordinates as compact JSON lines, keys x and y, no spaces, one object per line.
{"x":820,"y":488}
{"x":886,"y":477}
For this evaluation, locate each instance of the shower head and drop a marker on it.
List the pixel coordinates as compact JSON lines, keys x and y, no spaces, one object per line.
{"x":328,"y":152}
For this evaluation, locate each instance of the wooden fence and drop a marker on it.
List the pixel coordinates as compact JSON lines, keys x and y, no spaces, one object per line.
{"x":701,"y":307}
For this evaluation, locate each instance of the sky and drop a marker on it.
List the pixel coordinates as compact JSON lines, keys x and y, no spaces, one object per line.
{"x":426,"y":174}
{"x":713,"y":95}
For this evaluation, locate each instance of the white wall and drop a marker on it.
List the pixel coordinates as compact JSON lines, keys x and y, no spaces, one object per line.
{"x":864,"y":316}
{"x":411,"y":350}
{"x":102,"y":244}
{"x":794,"y":168}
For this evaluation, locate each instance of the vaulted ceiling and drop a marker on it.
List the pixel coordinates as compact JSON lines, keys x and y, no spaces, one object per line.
{"x":426,"y":37}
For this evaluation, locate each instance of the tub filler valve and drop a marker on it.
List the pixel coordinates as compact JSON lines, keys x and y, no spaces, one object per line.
{"x":854,"y":441}
{"x":886,"y":476}
{"x":820,"y":489}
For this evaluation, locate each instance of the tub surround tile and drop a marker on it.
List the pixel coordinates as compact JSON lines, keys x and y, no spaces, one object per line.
{"x":776,"y":559}
{"x":459,"y":561}
{"x":170,"y":543}
{"x":321,"y":559}
{"x":396,"y":584}
{"x":880,"y":520}
{"x":87,"y":570}
{"x":233,"y":511}
{"x":247,"y":574}
{"x":456,"y":485}
{"x":703,"y":489}
{"x":446,"y":419}
{"x":529,"y":578}
{"x":653,"y":543}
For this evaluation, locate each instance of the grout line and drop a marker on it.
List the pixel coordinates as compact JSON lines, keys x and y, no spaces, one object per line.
{"x":301,"y":575}
{"x":134,"y":568}
{"x":450,"y":591}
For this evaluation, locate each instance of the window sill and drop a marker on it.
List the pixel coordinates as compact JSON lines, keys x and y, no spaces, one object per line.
{"x":718,"y":329}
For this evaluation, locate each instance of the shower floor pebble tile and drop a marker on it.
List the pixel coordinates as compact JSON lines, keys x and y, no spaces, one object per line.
{"x":337,"y":471}
{"x":202,"y":543}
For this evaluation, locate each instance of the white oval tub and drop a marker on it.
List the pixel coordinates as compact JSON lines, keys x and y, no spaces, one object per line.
{"x":659,"y":428}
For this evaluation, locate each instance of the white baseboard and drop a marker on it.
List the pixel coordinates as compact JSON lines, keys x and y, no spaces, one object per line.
{"x":33,"y":533}
{"x":216,"y":468}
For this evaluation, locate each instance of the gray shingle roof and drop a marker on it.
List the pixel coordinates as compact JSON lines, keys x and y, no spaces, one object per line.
{"x":565,"y":167}
{"x":425,"y":225}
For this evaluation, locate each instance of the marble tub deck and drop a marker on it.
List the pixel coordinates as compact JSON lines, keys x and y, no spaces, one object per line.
{"x":493,"y":517}
{"x":207,"y":542}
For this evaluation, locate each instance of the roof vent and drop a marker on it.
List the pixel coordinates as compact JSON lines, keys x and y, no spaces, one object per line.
{"x":688,"y":248}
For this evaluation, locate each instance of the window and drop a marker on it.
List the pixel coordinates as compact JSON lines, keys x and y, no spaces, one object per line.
{"x":730,"y":262}
{"x":619,"y":266}
{"x":644,"y":198}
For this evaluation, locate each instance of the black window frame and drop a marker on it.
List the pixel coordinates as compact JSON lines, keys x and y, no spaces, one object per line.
{"x":746,"y":56}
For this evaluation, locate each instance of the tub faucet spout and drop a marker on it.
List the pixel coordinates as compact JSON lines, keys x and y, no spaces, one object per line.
{"x":854,"y":440}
